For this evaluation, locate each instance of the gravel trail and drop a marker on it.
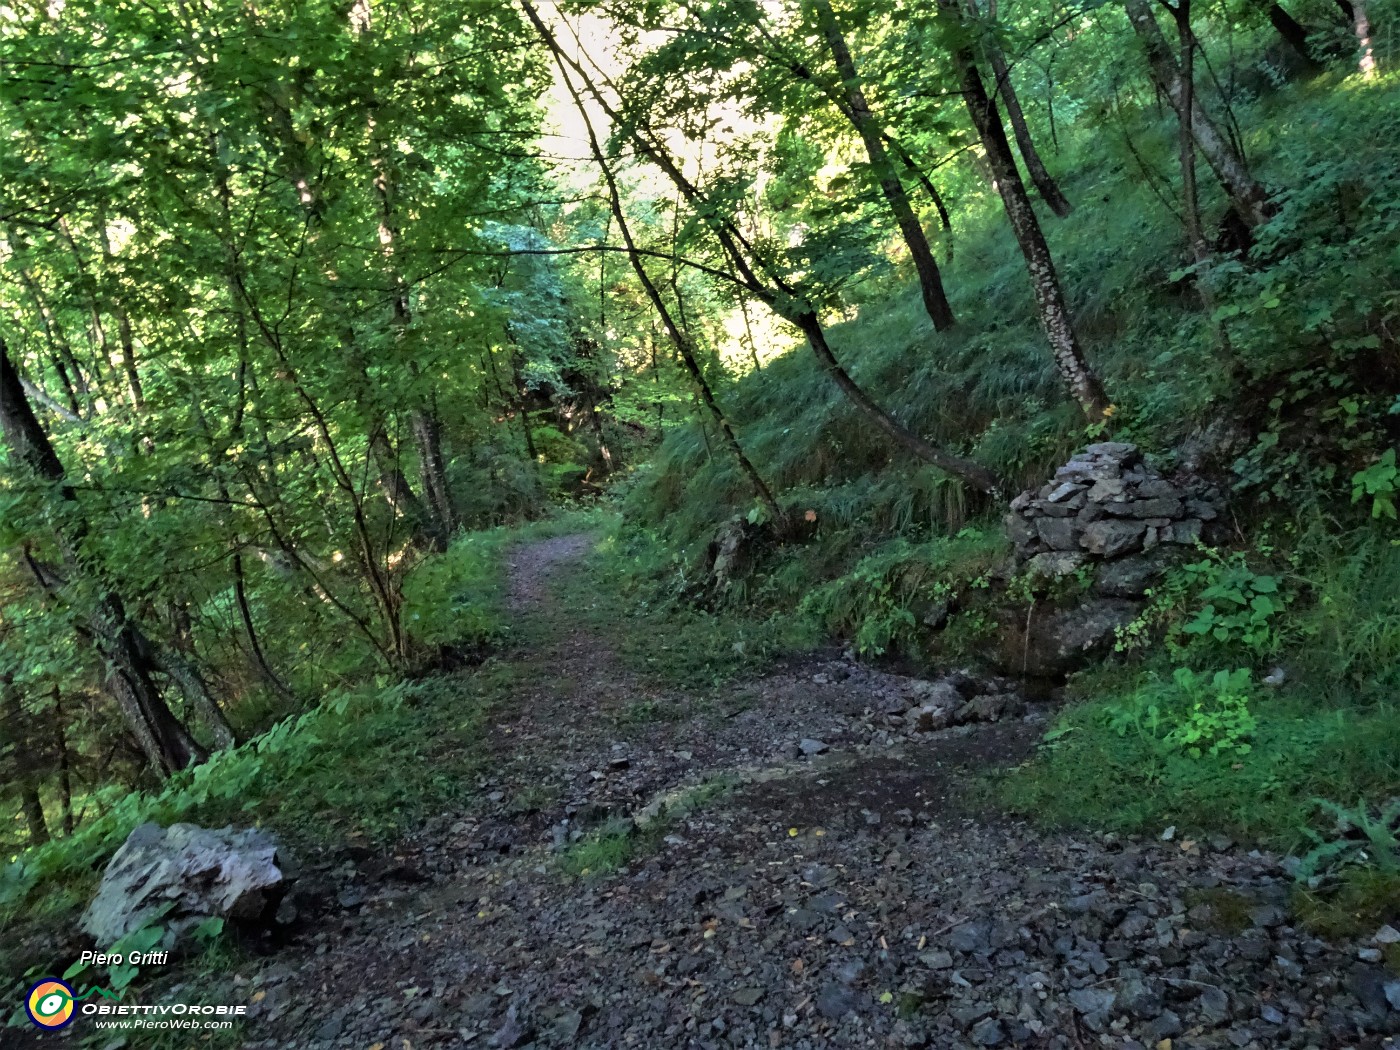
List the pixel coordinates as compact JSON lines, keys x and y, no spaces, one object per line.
{"x":812,"y":874}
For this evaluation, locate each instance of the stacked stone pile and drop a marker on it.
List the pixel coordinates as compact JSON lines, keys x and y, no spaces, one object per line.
{"x":1103,"y":504}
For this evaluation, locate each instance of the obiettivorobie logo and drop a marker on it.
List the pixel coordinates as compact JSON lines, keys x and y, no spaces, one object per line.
{"x":53,"y":1004}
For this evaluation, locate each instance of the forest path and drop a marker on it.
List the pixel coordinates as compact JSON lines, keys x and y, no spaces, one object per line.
{"x":855,"y":897}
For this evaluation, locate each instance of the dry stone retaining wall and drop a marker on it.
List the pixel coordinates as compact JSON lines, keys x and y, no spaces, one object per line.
{"x":1106,"y":503}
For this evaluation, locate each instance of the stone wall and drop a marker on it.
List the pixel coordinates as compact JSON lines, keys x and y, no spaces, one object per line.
{"x":1109,"y":514}
{"x":1106,"y":503}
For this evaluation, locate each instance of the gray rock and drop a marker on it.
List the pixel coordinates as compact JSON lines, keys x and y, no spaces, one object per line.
{"x":1108,"y":490}
{"x":1167,"y":507}
{"x":1156,"y":488}
{"x":1187,"y":533}
{"x":811,"y":747}
{"x":1051,"y":565}
{"x":990,"y":708}
{"x":1052,"y":641}
{"x":1093,"y":1000}
{"x":1127,"y":577}
{"x":1199,"y":508}
{"x":1110,"y":538}
{"x":1020,"y":530}
{"x":197,"y":872}
{"x":1392,"y":993}
{"x":1060,"y":493}
{"x":988,"y":1033}
{"x":942,"y":693}
{"x":1059,"y":534}
{"x":1124,"y":452}
{"x":971,"y":937}
{"x":1214,"y":1006}
{"x":835,"y":1001}
{"x":1068,"y":509}
{"x":1165,"y":1026}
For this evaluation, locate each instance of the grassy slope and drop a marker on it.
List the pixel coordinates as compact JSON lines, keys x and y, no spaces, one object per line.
{"x":1306,"y":364}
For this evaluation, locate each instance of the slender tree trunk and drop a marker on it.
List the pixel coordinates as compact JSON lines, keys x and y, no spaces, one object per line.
{"x":65,"y":773}
{"x":1248,"y":197}
{"x":432,"y":468}
{"x":1050,"y":302}
{"x":1045,"y":185}
{"x":1190,"y":203}
{"x":165,"y":740}
{"x":399,"y":494}
{"x":125,"y":339}
{"x":936,"y":198}
{"x":245,"y":615}
{"x":426,"y":427}
{"x":858,"y":110}
{"x":33,"y":808}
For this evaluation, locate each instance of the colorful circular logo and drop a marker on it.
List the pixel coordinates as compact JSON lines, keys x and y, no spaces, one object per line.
{"x":50,"y":1004}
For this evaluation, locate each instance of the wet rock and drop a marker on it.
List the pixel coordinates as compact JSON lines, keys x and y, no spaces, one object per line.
{"x":1060,"y":640}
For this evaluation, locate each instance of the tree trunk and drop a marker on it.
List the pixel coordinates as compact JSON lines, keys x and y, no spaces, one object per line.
{"x":65,"y":773}
{"x":432,"y":470}
{"x":1294,"y":35}
{"x":1361,"y":22}
{"x":1248,"y":197}
{"x":245,"y":614}
{"x":399,"y":494}
{"x":426,"y":427}
{"x":1186,"y":144}
{"x":33,"y":808}
{"x":1046,"y":186}
{"x":165,"y":740}
{"x":858,"y":111}
{"x":1050,"y":302}
{"x":27,"y":772}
